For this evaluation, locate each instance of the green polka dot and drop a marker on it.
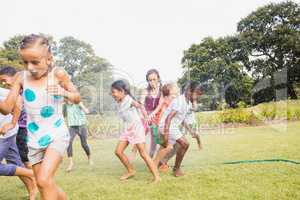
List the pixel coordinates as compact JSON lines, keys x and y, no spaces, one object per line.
{"x":57,"y":97}
{"x":29,"y":95}
{"x":33,"y":127}
{"x":47,"y":111}
{"x":58,"y":123}
{"x":44,"y":141}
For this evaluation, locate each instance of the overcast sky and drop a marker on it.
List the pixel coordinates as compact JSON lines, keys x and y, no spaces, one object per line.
{"x":133,"y":35}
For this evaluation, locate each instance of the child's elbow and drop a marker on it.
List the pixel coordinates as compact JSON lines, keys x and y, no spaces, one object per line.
{"x":5,"y":109}
{"x":77,"y":99}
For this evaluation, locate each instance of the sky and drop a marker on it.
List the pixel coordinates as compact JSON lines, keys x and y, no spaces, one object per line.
{"x":133,"y":35}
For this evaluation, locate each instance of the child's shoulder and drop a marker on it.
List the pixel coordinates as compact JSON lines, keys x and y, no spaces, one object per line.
{"x":20,"y":77}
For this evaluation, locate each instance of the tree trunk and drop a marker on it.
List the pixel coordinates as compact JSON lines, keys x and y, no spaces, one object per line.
{"x":291,"y":91}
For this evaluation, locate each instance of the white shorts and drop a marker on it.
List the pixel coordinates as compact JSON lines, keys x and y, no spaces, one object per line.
{"x":36,"y":156}
{"x":174,"y":135}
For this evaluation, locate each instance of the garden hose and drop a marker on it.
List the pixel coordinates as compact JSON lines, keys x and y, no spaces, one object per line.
{"x":260,"y":161}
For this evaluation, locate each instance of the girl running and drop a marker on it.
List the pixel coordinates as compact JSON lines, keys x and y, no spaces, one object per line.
{"x":77,"y":121}
{"x":7,"y":76}
{"x":134,"y":132}
{"x":171,"y":121}
{"x":44,"y":89}
{"x":191,"y":122}
{"x":9,"y":150}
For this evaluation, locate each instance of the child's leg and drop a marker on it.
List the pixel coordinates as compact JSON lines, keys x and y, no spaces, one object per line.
{"x":152,"y":145}
{"x":22,"y":147}
{"x":45,"y":172}
{"x":162,"y":154}
{"x":72,"y":131}
{"x":148,"y":161}
{"x":170,"y":155}
{"x":133,"y":153}
{"x":122,"y":145}
{"x":83,"y":140}
{"x":26,"y":175}
{"x":183,"y":147}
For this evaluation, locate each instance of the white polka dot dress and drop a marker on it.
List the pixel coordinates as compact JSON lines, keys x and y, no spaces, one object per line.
{"x":45,"y":121}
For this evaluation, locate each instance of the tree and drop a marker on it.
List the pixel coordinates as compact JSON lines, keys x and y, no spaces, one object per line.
{"x":218,"y":64}
{"x":90,"y":73}
{"x":272,"y":38}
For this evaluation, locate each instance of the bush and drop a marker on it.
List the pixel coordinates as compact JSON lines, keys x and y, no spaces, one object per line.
{"x":268,"y":111}
{"x":297,"y":114}
{"x":237,"y":116}
{"x":242,"y":104}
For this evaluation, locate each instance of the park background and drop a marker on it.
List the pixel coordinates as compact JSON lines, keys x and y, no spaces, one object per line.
{"x":250,"y":110}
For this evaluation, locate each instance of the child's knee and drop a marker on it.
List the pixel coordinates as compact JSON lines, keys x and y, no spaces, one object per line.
{"x":185,"y":145}
{"x":43,"y":181}
{"x":118,"y":152}
{"x":169,"y":148}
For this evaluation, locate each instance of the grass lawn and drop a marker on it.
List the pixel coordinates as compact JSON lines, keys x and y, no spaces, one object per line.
{"x":206,"y":176}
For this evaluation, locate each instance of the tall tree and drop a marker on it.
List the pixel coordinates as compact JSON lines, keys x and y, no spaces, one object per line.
{"x":272,"y":37}
{"x":217,"y":62}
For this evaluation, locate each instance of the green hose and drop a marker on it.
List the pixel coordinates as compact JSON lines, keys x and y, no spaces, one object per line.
{"x":260,"y":161}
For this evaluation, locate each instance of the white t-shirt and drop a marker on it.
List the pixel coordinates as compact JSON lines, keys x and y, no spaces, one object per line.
{"x":182,"y":107}
{"x":4,"y":119}
{"x":129,"y":113}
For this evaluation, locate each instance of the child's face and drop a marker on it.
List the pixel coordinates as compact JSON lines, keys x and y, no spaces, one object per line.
{"x":117,"y":94}
{"x":6,"y":80}
{"x":174,"y":92}
{"x":153,"y":80}
{"x":36,"y":60}
{"x":193,"y":96}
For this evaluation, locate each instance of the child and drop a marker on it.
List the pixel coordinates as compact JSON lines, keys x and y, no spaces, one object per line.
{"x":191,"y":122}
{"x":152,"y":100}
{"x":43,"y":88}
{"x":7,"y":75}
{"x":134,"y":132}
{"x":169,"y":92}
{"x":172,"y":118}
{"x":9,"y":150}
{"x":76,"y":118}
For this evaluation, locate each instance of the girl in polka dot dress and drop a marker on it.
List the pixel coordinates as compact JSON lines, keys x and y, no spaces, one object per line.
{"x":44,"y":89}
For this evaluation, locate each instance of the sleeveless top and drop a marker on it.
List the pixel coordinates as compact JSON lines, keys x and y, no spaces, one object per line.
{"x":151,"y":102}
{"x":45,"y":120}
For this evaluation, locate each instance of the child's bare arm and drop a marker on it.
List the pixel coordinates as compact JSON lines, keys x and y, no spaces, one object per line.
{"x":84,"y":108}
{"x":139,"y":106}
{"x":193,"y":133}
{"x":188,"y":127}
{"x":16,"y":114}
{"x":67,"y":90}
{"x":9,"y":103}
{"x":159,"y":107}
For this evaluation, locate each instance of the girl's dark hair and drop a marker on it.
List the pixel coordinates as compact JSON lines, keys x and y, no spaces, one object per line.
{"x":166,"y":89}
{"x":32,"y":39}
{"x":153,"y":71}
{"x":8,"y":70}
{"x":191,"y":86}
{"x":121,"y":85}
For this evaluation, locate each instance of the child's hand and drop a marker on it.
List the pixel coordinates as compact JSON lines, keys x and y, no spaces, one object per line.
{"x":56,"y":90}
{"x":5,"y":128}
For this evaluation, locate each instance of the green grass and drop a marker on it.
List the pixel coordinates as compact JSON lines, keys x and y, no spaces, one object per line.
{"x":206,"y":176}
